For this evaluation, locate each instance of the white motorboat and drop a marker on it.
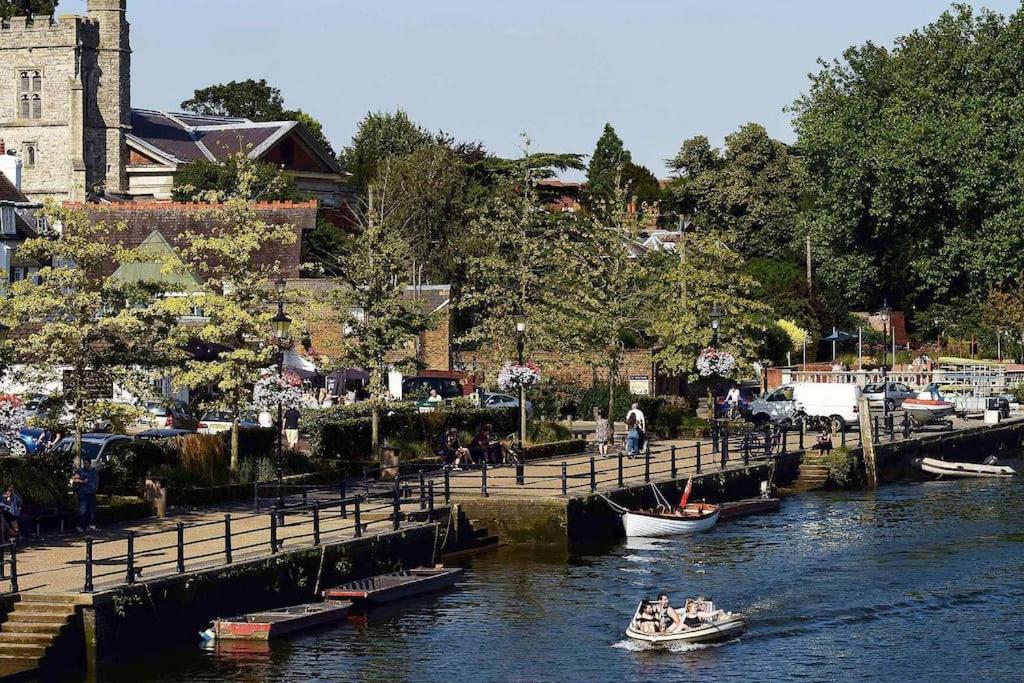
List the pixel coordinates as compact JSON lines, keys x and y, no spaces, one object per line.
{"x":925,"y":410}
{"x":691,"y":519}
{"x":716,"y":625}
{"x":965,"y":469}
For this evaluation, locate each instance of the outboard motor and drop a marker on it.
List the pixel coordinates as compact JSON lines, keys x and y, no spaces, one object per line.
{"x":991,"y":460}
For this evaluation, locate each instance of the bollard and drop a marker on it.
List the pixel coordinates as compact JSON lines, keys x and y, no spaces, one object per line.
{"x":483,"y":480}
{"x":621,"y":484}
{"x":672,"y":462}
{"x":430,"y":496}
{"x":227,"y":539}
{"x":565,"y":480}
{"x":129,"y":576}
{"x":892,"y":429}
{"x":14,"y":570}
{"x":593,"y":475}
{"x":520,"y":473}
{"x":423,"y":491}
{"x":714,"y":438}
{"x":273,"y":533}
{"x":316,"y":524}
{"x":397,"y":504}
{"x":746,"y":450}
{"x":906,"y":426}
{"x":447,"y":486}
{"x":344,"y":503}
{"x":366,"y":480}
{"x":698,"y":457}
{"x":181,"y":547}
{"x":355,"y":512}
{"x":725,"y":446}
{"x":842,"y":432}
{"x":647,"y":467}
{"x":87,"y":588}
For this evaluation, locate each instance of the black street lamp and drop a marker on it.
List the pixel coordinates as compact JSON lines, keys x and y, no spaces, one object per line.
{"x":885,"y":316}
{"x":281,"y":323}
{"x":520,"y":320}
{"x":716,"y":319}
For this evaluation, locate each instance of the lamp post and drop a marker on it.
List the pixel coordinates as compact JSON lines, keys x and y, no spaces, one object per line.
{"x":885,"y":316}
{"x":520,"y":320}
{"x":282,"y":323}
{"x":716,"y":319}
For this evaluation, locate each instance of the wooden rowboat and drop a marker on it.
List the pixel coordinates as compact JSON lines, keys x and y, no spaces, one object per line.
{"x":965,"y":469}
{"x":692,"y":519}
{"x":386,"y":588}
{"x":277,"y":622}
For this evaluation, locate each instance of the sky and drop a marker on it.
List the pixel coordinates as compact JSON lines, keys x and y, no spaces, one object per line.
{"x":659,"y":71}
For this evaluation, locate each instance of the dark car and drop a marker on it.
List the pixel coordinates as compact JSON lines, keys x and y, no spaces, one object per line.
{"x":154,"y":434}
{"x":174,"y":415}
{"x":100,"y":448}
{"x":419,"y":387}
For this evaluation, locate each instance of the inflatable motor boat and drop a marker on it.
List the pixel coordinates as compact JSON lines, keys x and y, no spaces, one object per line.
{"x":965,"y":469}
{"x":716,"y":625}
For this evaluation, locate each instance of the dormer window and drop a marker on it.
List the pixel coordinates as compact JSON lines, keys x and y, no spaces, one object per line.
{"x":7,"y":221}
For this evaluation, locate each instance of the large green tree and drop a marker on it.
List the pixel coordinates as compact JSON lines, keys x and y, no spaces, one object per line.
{"x":255,"y":100}
{"x":381,"y":136}
{"x":604,"y":172}
{"x":201,"y":177}
{"x":16,"y":8}
{"x":915,"y":155}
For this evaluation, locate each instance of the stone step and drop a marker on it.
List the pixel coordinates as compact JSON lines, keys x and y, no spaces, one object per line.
{"x":43,"y":639}
{"x":51,"y":607}
{"x":50,"y":598}
{"x":28,"y":627}
{"x":17,"y":617}
{"x":16,"y":666}
{"x":23,"y":649}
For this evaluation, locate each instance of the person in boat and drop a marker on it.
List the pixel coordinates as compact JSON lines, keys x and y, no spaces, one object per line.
{"x":647,"y":621}
{"x":668,"y":617}
{"x":691,"y":615}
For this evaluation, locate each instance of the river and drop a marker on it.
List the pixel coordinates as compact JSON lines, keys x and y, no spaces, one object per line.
{"x":919,"y":581}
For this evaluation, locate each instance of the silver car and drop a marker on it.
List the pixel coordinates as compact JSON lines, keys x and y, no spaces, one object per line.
{"x":505,"y":401}
{"x":892,"y":393}
{"x":777,"y":407}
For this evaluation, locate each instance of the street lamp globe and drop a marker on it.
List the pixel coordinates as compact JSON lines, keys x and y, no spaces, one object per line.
{"x":716,"y":316}
{"x":282,"y":323}
{"x":884,"y":313}
{"x":279,"y":285}
{"x":520,"y":320}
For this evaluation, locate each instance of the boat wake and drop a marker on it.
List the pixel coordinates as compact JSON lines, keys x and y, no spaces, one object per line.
{"x":640,"y":646}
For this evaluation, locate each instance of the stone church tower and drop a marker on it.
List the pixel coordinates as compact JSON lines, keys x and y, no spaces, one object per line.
{"x":65,"y":100}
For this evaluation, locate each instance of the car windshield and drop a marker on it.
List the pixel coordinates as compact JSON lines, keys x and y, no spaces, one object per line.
{"x":873,"y":389}
{"x":156,"y":409}
{"x":217,"y":416}
{"x":90,"y":449}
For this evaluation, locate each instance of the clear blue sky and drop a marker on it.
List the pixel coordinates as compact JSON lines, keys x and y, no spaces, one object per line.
{"x":659,"y":70}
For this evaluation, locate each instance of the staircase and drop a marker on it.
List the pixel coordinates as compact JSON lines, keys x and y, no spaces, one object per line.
{"x":813,"y":473}
{"x":31,"y":628}
{"x":477,"y":538}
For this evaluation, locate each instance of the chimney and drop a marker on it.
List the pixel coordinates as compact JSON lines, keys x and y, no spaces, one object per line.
{"x":10,"y":166}
{"x":3,"y":150}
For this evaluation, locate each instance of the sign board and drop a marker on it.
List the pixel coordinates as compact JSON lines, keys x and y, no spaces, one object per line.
{"x":640,"y":385}
{"x":99,"y":386}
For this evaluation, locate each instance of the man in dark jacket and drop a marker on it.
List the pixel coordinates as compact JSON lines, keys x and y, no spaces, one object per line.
{"x":86,"y":482}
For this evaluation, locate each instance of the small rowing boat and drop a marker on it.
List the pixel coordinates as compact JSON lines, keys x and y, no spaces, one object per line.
{"x":965,"y":469}
{"x":692,"y":519}
{"x":277,"y":622}
{"x":716,"y":625}
{"x":386,"y":588}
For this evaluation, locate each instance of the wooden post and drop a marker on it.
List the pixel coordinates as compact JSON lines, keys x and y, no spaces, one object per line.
{"x":868,"y":445}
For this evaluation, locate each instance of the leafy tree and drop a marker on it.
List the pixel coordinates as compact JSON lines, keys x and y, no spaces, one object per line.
{"x":237,"y":295}
{"x":201,"y":177}
{"x":642,"y":185}
{"x":914,"y":157}
{"x":605,"y":169}
{"x":78,"y":319}
{"x":782,"y":285}
{"x":37,"y":8}
{"x":255,"y":100}
{"x":381,"y":136}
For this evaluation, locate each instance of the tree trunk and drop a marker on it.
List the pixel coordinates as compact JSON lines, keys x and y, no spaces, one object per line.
{"x":375,"y":430}
{"x":611,"y":402}
{"x":234,"y":446}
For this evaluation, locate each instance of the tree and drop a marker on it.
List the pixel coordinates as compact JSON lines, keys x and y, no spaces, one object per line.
{"x":255,"y":100}
{"x":201,"y":177}
{"x":381,"y":136}
{"x":913,"y":155}
{"x":605,"y":169}
{"x":641,"y":185}
{"x":81,"y":322}
{"x":237,"y":296}
{"x":378,"y":319}
{"x":37,"y":8}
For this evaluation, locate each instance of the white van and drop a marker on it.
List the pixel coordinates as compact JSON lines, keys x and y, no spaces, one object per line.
{"x":839,"y":402}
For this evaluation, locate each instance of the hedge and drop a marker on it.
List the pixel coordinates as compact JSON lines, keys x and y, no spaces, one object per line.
{"x":334,"y":433}
{"x":555,"y":449}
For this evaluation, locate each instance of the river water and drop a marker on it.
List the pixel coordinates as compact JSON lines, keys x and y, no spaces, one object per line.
{"x":919,"y":581}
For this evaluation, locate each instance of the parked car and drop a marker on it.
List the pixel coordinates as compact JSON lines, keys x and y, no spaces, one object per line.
{"x":155,"y":434}
{"x":217,"y":421}
{"x":29,"y":441}
{"x":446,"y":387}
{"x":839,"y":403}
{"x":505,"y":401}
{"x":100,"y":448}
{"x":173,"y":415}
{"x":892,"y":393}
{"x":777,"y":407}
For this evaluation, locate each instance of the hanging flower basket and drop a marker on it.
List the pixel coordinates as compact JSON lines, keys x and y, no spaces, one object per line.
{"x":514,"y":376}
{"x":12,"y":415}
{"x":271,"y":390}
{"x":712,"y":362}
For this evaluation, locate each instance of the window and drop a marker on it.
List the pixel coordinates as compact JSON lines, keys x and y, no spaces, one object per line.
{"x":7,"y":218}
{"x":25,"y":82}
{"x":37,"y":82}
{"x":24,"y":108}
{"x":37,"y":107}
{"x":31,"y":152}
{"x":42,"y":225}
{"x":30,"y":94}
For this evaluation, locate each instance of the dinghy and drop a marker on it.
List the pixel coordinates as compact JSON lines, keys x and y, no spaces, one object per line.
{"x":965,"y":469}
{"x":277,"y":622}
{"x":716,"y":625}
{"x":386,"y":588}
{"x":666,"y":519}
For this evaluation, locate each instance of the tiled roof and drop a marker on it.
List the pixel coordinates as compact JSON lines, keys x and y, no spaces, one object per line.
{"x":180,"y":138}
{"x":9,"y":193}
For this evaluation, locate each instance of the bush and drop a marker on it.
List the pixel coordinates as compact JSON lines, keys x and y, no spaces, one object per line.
{"x":551,"y":450}
{"x":42,"y":480}
{"x":125,"y":474}
{"x":597,"y":397}
{"x":542,"y":432}
{"x":843,"y":467}
{"x":555,"y":399}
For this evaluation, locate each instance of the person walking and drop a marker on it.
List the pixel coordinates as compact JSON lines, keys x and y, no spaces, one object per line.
{"x":291,"y":426}
{"x":632,"y":436}
{"x":10,"y":515}
{"x":602,"y":434}
{"x":86,"y":482}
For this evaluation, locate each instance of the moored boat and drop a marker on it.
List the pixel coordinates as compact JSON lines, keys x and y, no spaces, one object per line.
{"x":965,"y":469}
{"x":276,"y":622}
{"x":716,"y":625}
{"x":691,"y":519}
{"x":387,"y":588}
{"x":925,"y":411}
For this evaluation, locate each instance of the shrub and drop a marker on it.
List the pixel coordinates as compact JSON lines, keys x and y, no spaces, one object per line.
{"x":541,"y":432}
{"x":125,"y":473}
{"x":843,"y":467}
{"x":554,"y":399}
{"x":42,"y":480}
{"x":551,"y":450}
{"x":597,"y":397}
{"x":204,"y":457}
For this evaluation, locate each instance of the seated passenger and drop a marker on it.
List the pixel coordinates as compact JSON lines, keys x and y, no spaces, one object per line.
{"x":647,"y":621}
{"x":667,"y":615}
{"x":691,"y":618}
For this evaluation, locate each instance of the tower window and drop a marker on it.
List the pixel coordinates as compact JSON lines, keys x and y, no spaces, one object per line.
{"x":25,"y":81}
{"x":37,"y":82}
{"x":25,"y":110}
{"x":30,"y":98}
{"x":31,"y":154}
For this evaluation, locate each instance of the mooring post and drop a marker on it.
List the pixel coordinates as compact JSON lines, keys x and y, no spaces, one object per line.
{"x":803,"y":430}
{"x":355,"y":513}
{"x":397,"y":504}
{"x":483,"y":480}
{"x":725,"y":446}
{"x":423,"y":491}
{"x":621,"y":484}
{"x":520,"y":470}
{"x":181,"y":547}
{"x":714,"y":437}
{"x":672,"y":462}
{"x":227,"y":539}
{"x":14,"y":570}
{"x":593,"y":475}
{"x":129,"y":575}
{"x":875,"y":434}
{"x":316,"y":524}
{"x":746,"y":450}
{"x":273,"y":533}
{"x":565,"y":480}
{"x":88,"y":587}
{"x":344,"y":503}
{"x":647,"y":466}
{"x":430,"y":496}
{"x":447,"y":486}
{"x":842,"y":431}
{"x":698,"y":456}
